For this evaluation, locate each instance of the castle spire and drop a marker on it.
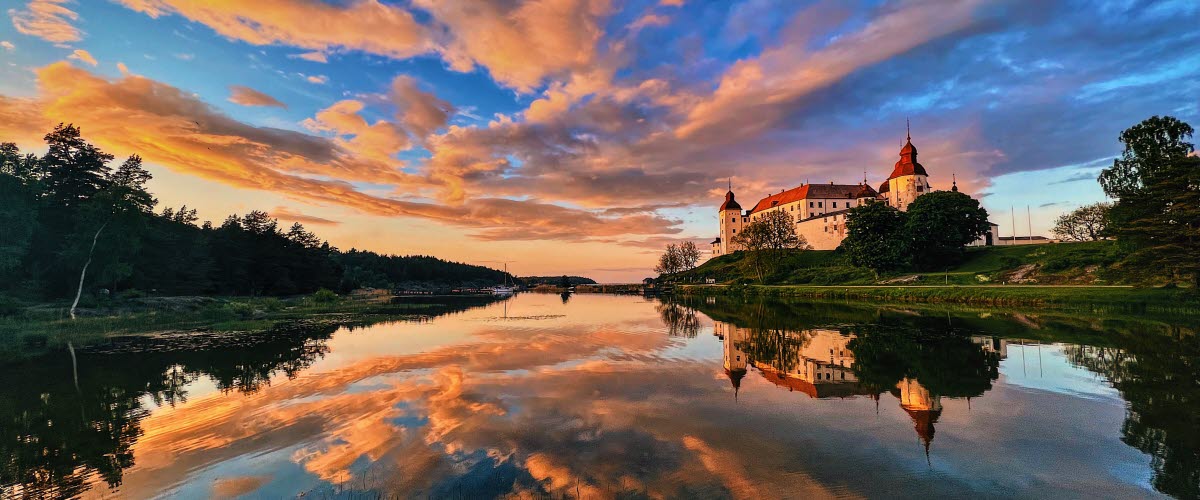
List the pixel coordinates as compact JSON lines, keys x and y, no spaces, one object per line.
{"x":954,"y":187}
{"x":907,"y":130}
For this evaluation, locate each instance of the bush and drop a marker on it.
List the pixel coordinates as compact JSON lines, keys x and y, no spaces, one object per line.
{"x":270,"y":304}
{"x":324,"y":296}
{"x":243,"y":310}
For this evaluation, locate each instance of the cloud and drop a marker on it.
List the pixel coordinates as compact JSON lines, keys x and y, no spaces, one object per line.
{"x":83,"y":56}
{"x":671,"y":3}
{"x":287,"y":214}
{"x":314,"y":56}
{"x":49,"y":20}
{"x":379,"y":140}
{"x":367,"y":25}
{"x":7,"y":45}
{"x":520,"y":44}
{"x":184,"y":56}
{"x":421,"y":112}
{"x":650,"y":20}
{"x":317,"y":79}
{"x":757,"y":93}
{"x":171,"y":127}
{"x":247,"y":96}
{"x":1077,"y":177}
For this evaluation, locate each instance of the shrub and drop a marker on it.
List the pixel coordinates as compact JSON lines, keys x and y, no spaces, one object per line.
{"x":270,"y":304}
{"x":324,"y":296}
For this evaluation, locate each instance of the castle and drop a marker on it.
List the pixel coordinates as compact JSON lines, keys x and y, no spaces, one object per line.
{"x":820,"y":364}
{"x":820,"y":210}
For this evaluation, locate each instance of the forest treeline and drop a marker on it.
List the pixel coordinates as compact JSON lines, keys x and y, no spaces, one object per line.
{"x":71,"y":208}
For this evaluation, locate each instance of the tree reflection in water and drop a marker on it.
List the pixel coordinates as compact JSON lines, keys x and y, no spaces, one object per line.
{"x":921,"y":358}
{"x":55,"y":436}
{"x":1159,"y":378}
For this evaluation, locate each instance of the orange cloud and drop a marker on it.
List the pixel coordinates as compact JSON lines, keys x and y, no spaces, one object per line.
{"x":421,"y":112}
{"x":287,"y":214}
{"x":247,"y":96}
{"x":170,"y":127}
{"x":365,"y":25}
{"x":649,"y":20}
{"x":754,"y":94}
{"x":48,"y":20}
{"x":84,"y":57}
{"x":520,"y":43}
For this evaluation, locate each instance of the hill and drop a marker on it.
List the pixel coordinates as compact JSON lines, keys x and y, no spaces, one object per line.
{"x":1086,"y":263}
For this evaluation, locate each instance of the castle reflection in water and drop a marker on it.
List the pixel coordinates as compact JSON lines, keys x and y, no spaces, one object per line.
{"x":821,"y":364}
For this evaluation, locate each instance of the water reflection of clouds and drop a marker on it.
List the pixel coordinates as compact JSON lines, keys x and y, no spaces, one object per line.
{"x":595,"y":409}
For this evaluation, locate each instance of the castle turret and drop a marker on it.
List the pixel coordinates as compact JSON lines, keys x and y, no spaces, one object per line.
{"x":732,"y":219}
{"x":908,"y":180}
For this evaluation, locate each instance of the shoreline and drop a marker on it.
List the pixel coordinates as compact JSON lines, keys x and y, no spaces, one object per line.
{"x":1174,"y":301}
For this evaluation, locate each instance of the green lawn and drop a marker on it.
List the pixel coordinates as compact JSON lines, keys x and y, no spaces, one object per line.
{"x":1089,"y":263}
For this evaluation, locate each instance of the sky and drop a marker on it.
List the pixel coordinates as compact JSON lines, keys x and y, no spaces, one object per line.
{"x":582,"y":136}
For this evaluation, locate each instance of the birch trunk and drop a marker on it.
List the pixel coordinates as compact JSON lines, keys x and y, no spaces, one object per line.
{"x":83,"y":273}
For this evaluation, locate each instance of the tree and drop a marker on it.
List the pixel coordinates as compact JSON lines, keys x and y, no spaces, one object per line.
{"x":123,"y":202}
{"x":1157,"y":213}
{"x":940,"y":224}
{"x":767,"y":239}
{"x":876,"y":237}
{"x":1162,"y":220}
{"x":1150,"y":145}
{"x":1086,"y":223}
{"x":74,"y":169}
{"x":689,"y":255}
{"x":670,"y":262}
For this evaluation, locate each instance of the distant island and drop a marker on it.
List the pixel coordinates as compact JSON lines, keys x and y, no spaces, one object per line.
{"x":533,"y":281}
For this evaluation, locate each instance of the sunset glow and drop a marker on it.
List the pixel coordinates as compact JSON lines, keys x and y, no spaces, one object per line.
{"x":581,"y":136}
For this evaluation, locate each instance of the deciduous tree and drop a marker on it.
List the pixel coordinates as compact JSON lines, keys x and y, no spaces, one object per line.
{"x":1156,"y":217}
{"x":940,"y":225}
{"x":767,"y":239}
{"x":1086,"y":223}
{"x":876,"y":237}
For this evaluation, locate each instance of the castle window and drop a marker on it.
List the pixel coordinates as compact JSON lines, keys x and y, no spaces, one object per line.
{"x":733,"y":219}
{"x":820,"y":204}
{"x":810,"y":204}
{"x":835,"y":204}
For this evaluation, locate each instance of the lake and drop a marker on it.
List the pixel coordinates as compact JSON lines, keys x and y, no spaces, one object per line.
{"x":600,"y":396}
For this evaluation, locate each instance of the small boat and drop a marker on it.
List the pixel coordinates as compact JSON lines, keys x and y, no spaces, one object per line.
{"x":506,"y":288}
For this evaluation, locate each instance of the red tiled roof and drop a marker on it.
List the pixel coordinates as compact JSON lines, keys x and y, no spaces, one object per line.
{"x":813,"y":191}
{"x":908,"y":163}
{"x":730,"y":203}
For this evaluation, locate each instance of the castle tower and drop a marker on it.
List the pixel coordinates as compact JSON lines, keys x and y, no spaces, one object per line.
{"x":923,"y":407}
{"x":735,"y":360}
{"x":731,"y":223}
{"x":908,"y":180}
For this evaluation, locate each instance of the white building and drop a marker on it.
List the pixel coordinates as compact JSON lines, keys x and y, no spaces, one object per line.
{"x":820,"y":210}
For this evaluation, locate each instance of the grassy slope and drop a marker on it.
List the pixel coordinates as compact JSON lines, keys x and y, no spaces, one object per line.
{"x":1091,"y":263}
{"x":1001,"y":275}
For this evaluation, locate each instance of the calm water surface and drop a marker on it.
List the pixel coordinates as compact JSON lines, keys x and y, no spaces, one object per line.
{"x":616,"y":396}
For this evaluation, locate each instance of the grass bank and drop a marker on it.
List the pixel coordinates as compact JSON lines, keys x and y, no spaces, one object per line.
{"x":1111,"y":299}
{"x":1087,"y":263}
